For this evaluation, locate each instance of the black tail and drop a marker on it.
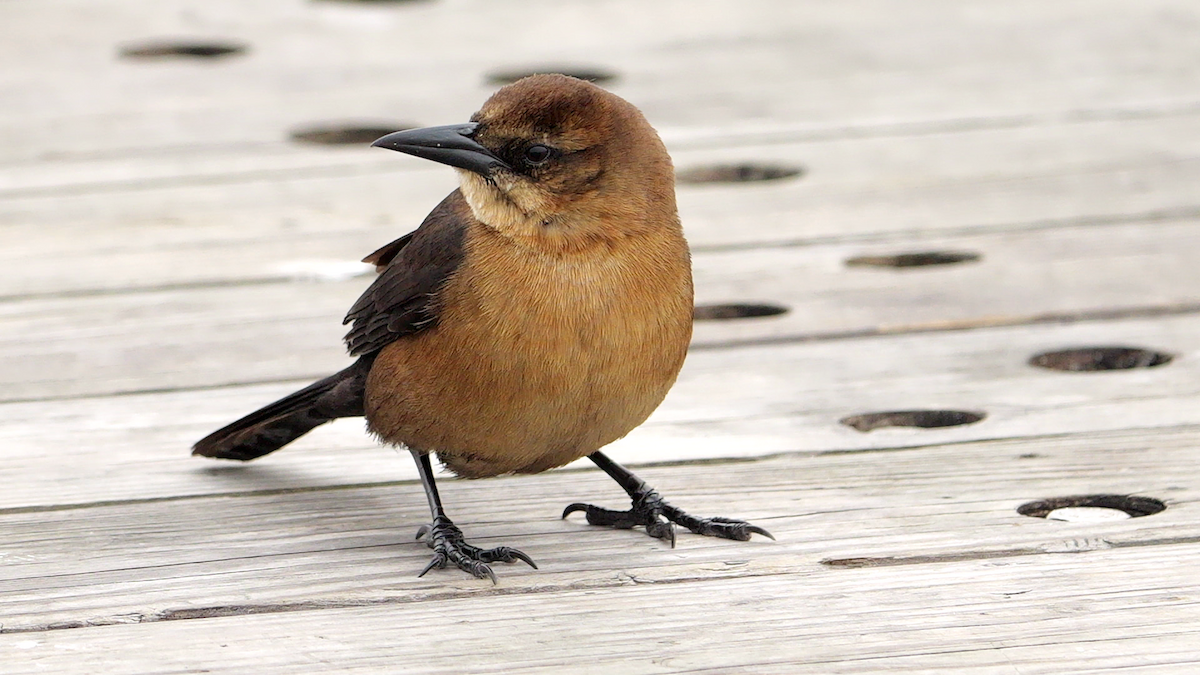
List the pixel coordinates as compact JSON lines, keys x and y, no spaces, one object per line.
{"x":270,"y":428}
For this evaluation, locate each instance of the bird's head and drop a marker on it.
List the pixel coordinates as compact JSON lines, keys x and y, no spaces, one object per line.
{"x":556,"y":163}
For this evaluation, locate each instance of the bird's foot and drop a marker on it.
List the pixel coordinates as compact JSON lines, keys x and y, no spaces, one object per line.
{"x":449,"y":546}
{"x":651,"y":511}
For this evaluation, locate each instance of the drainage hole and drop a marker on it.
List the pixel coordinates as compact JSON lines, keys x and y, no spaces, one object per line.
{"x":345,"y":134}
{"x":1091,"y":508}
{"x":925,"y":419}
{"x":736,"y":173}
{"x":1087,"y":359}
{"x":170,"y":49}
{"x":589,"y":73}
{"x":725,"y":312}
{"x":921,"y":259}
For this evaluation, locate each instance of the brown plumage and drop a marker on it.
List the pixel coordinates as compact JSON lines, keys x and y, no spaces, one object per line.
{"x":539,"y":313}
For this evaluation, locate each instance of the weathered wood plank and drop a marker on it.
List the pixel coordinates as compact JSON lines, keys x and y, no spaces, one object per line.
{"x":207,"y":336}
{"x":1035,"y":618}
{"x":880,"y":159}
{"x":148,"y":212}
{"x":272,"y":555}
{"x":687,"y":63}
{"x":891,"y":191}
{"x":738,"y":402}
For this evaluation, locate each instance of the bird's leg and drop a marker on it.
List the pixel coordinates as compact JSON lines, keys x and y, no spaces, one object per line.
{"x":447,"y":541}
{"x":655,"y":514}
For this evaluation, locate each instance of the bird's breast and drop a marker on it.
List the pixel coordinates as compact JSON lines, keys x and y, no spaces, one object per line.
{"x":538,"y":359}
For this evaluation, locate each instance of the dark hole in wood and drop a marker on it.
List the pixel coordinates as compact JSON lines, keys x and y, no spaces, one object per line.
{"x":346,"y":134}
{"x":736,"y":173}
{"x":1087,"y":359}
{"x":925,"y":419}
{"x":725,"y":312}
{"x":196,"y":50}
{"x":1136,"y":507}
{"x":589,"y":73}
{"x":921,"y":259}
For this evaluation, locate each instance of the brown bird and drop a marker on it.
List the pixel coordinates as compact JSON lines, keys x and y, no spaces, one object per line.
{"x":540,"y":312}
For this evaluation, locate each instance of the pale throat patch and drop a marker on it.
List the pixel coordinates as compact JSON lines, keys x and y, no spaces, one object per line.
{"x":523,"y":212}
{"x":499,"y":207}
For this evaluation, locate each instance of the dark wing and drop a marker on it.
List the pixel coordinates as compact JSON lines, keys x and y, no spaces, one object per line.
{"x":403,"y":300}
{"x":383,"y":255}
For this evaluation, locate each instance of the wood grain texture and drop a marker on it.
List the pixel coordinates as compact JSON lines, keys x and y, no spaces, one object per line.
{"x":217,"y":335}
{"x":307,"y":562}
{"x":687,"y":64}
{"x":159,"y":234}
{"x":142,"y":229}
{"x":999,"y":623}
{"x":739,"y":402}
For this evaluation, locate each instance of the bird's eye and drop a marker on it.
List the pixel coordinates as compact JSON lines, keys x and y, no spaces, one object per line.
{"x":536,"y":154}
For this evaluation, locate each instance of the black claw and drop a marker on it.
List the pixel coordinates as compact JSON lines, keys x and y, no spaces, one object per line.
{"x":662,"y":530}
{"x":574,"y":508}
{"x":758,"y":530}
{"x":649,"y":510}
{"x":645,"y":512}
{"x":475,"y":568}
{"x":659,"y":518}
{"x":450,"y":546}
{"x":506,"y":554}
{"x":439,"y":561}
{"x":621,"y":520}
{"x":524,"y":558}
{"x":734,"y":529}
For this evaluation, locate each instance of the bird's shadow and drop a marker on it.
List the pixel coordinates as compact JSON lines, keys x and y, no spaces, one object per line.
{"x":274,"y":478}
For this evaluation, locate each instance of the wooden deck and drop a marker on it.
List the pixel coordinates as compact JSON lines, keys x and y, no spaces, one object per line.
{"x":170,"y":259}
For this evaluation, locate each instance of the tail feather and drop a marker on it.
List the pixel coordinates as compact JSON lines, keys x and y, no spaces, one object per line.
{"x":274,"y":426}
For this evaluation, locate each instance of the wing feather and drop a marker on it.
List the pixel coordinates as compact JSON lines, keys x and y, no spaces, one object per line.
{"x":403,"y":300}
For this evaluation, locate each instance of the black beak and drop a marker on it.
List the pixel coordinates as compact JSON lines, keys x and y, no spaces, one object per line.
{"x":450,"y":144}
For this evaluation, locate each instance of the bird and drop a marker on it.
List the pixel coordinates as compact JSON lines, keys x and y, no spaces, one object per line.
{"x":540,"y":312}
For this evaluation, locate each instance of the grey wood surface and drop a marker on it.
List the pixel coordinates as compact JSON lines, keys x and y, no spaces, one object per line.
{"x":734,"y":402}
{"x":170,"y":260}
{"x":954,"y":565}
